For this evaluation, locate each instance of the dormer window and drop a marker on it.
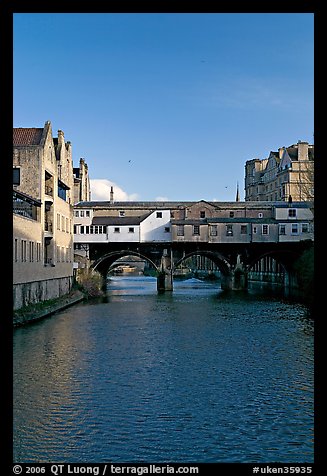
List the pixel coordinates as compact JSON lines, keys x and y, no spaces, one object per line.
{"x":202,"y":214}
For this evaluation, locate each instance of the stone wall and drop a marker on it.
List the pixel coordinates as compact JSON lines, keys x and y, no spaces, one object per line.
{"x":37,"y":291}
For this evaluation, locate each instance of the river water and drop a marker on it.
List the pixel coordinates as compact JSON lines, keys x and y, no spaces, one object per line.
{"x":197,"y":375}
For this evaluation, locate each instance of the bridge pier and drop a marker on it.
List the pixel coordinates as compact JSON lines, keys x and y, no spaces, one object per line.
{"x":237,"y":278}
{"x":165,"y":275}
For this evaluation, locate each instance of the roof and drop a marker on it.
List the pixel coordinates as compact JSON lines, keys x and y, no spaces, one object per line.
{"x":170,"y":205}
{"x":121,"y":221}
{"x":26,"y":136}
{"x":225,"y":220}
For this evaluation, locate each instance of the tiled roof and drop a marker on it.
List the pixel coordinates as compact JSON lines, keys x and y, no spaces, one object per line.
{"x":27,"y":136}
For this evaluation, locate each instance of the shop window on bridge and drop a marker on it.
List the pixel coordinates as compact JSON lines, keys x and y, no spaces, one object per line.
{"x":282,"y":229}
{"x":265,"y":229}
{"x":196,"y":229}
{"x":295,"y":229}
{"x":213,"y":230}
{"x":97,"y":229}
{"x":244,"y":229}
{"x":180,"y":230}
{"x":229,"y":230}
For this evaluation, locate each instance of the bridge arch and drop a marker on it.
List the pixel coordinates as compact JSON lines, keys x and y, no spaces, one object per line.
{"x":103,"y":264}
{"x":217,"y":258}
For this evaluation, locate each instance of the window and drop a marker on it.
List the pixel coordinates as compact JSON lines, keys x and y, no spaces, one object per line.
{"x":16,"y":176}
{"x":58,"y":254}
{"x":229,"y":230}
{"x":67,"y":226}
{"x":116,"y":230}
{"x":81,"y":230}
{"x":131,"y":230}
{"x":305,"y":228}
{"x":260,"y":215}
{"x":265,"y":229}
{"x":58,"y":221}
{"x":159,"y":215}
{"x":244,"y":229}
{"x":213,"y":230}
{"x":292,"y":212}
{"x":202,"y":214}
{"x":76,"y":213}
{"x":38,"y":252}
{"x":295,"y":229}
{"x":81,"y":213}
{"x":282,"y":229}
{"x":121,"y":213}
{"x":196,"y":230}
{"x":61,"y":191}
{"x":180,"y":230}
{"x":23,"y":250}
{"x":254,"y":230}
{"x":31,"y":251}
{"x":63,"y":223}
{"x":75,"y":229}
{"x":231,"y":214}
{"x":167,"y":229}
{"x":87,"y":213}
{"x":16,"y":250}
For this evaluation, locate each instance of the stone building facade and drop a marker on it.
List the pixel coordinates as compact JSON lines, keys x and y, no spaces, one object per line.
{"x":285,"y":175}
{"x":43,"y":201}
{"x":82,"y":191}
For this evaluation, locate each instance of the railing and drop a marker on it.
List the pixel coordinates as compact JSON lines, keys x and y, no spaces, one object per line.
{"x":24,"y":208}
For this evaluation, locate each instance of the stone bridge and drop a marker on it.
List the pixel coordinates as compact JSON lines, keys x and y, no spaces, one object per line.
{"x":234,"y":261}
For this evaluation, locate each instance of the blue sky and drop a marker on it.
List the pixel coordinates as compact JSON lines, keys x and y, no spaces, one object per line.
{"x":166,"y":106}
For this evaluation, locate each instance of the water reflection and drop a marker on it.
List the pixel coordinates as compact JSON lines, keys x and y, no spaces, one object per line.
{"x":197,"y":375}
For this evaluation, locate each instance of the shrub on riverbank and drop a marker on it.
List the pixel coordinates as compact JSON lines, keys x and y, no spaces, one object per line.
{"x":91,"y":283}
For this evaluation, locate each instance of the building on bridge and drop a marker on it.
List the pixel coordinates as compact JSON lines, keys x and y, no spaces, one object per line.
{"x":230,"y":233}
{"x":42,"y":215}
{"x":287,"y":174}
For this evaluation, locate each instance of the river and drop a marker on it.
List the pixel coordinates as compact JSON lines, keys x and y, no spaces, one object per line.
{"x":197,"y":375}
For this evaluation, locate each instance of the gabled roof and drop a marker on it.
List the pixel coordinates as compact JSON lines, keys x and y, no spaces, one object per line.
{"x":121,"y":221}
{"x":26,"y":136}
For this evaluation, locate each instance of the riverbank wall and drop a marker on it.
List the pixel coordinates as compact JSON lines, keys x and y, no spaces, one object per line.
{"x":39,"y":311}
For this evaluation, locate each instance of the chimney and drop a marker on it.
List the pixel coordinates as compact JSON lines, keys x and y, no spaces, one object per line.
{"x":112,"y":195}
{"x":303,"y":150}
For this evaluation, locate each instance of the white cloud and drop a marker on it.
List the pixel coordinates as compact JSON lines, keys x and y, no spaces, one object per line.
{"x":161,"y":199}
{"x":100,"y":190}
